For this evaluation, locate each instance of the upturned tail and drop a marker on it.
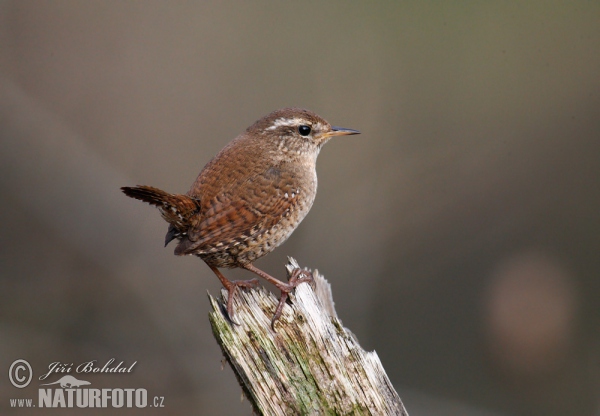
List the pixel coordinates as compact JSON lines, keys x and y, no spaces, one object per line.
{"x":178,"y":210}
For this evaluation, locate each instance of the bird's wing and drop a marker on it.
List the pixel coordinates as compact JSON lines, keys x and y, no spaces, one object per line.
{"x":242,"y":213}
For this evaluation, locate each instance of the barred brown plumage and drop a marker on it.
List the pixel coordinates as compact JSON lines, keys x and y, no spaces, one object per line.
{"x":249,"y":198}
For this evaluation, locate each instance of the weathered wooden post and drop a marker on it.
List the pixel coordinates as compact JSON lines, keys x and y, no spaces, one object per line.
{"x":311,"y":365}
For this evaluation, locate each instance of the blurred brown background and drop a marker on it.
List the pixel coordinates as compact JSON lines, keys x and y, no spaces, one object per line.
{"x":460,"y":231}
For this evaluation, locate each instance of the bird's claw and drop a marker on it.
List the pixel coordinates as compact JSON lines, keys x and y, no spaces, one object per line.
{"x":292,"y":283}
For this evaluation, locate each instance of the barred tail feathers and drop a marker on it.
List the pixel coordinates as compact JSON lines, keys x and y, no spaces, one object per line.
{"x":177,"y":210}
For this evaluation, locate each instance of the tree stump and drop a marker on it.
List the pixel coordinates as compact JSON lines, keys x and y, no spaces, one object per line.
{"x":311,"y":365}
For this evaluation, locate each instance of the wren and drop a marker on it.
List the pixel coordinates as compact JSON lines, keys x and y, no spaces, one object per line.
{"x":249,"y":198}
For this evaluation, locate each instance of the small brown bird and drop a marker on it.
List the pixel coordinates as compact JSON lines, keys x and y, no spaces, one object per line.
{"x":249,"y":198}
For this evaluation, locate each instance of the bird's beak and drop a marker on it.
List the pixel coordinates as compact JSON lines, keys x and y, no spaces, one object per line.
{"x":340,"y":131}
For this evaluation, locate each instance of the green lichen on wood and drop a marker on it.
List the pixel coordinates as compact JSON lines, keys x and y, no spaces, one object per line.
{"x":311,"y":365}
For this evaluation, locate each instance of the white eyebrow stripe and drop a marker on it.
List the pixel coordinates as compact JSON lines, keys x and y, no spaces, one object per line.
{"x":287,"y":122}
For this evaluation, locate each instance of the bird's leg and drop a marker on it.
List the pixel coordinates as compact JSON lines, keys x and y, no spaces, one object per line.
{"x":285,"y":288}
{"x":231,"y":287}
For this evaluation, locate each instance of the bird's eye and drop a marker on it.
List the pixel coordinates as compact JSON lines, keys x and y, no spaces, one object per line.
{"x":304,"y":130}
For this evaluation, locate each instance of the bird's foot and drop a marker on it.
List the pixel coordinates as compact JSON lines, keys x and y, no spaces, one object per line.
{"x":232,"y":288}
{"x":298,"y":276}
